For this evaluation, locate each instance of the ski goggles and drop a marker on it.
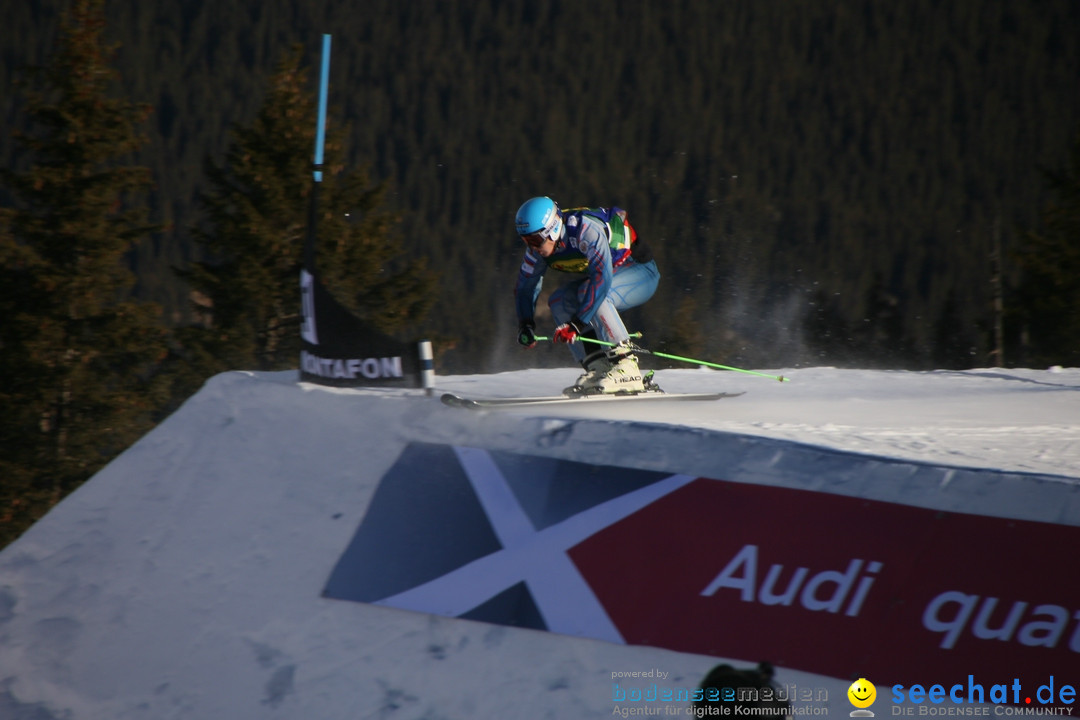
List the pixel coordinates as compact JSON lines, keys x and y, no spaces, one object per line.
{"x":536,"y":239}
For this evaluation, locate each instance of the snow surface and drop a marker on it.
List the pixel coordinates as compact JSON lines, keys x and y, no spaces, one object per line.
{"x":184,"y":580}
{"x":1022,"y":420}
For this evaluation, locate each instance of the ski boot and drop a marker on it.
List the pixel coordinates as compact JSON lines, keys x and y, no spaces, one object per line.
{"x":614,"y":372}
{"x":596,"y":364}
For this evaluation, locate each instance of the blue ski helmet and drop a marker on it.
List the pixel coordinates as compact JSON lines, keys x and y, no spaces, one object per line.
{"x":539,"y":216}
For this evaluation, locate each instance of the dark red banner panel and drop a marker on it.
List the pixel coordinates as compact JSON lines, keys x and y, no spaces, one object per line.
{"x":841,"y":586}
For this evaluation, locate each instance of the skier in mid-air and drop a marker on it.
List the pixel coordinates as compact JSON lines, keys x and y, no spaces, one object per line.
{"x":619,"y":273}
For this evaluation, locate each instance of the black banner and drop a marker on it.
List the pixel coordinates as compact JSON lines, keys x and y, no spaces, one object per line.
{"x":342,"y":350}
{"x":337,"y":348}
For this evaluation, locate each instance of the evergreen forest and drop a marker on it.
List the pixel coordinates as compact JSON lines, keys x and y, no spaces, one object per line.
{"x":842,"y":182}
{"x":822,"y":182}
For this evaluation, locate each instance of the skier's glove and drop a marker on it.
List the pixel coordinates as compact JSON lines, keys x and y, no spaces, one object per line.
{"x":527,"y":334}
{"x":568,"y":332}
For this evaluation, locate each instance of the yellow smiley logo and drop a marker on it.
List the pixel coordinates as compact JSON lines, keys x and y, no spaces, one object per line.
{"x":862,"y":693}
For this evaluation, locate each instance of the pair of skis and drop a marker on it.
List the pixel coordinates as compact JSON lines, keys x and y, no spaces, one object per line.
{"x":478,"y":403}
{"x":650,"y":393}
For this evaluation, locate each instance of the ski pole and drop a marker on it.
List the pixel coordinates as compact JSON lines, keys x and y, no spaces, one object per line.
{"x":645,"y":351}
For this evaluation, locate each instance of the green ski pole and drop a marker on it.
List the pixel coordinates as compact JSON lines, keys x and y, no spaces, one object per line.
{"x":645,"y":351}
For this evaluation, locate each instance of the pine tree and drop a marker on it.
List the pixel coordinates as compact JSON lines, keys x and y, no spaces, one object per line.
{"x":253,"y":236}
{"x":1049,"y":294}
{"x":77,"y":358}
{"x":683,"y":334}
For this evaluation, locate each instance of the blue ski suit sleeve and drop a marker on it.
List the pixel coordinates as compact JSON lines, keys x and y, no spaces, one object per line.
{"x":529,"y":281}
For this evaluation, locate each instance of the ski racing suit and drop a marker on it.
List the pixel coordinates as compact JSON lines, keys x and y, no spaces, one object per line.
{"x":619,"y":274}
